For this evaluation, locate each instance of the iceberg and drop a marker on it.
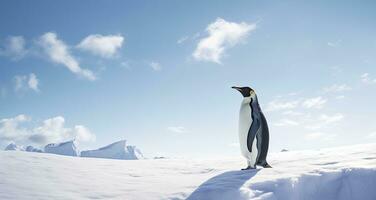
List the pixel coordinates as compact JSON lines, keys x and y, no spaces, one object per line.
{"x":66,"y":148}
{"x":117,"y":150}
{"x":13,"y":147}
{"x":33,"y":149}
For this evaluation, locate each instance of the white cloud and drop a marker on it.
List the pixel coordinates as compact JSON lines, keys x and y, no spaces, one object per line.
{"x":286,"y":122}
{"x":33,"y":82}
{"x":276,"y":105}
{"x":365,"y":78}
{"x":156,"y":66}
{"x":102,"y":45}
{"x":221,"y":36}
{"x":327,"y":119}
{"x":58,"y":52}
{"x":337,"y":88}
{"x":177,"y":129}
{"x":50,"y":131}
{"x":26,"y":82}
{"x":83,"y":134}
{"x":10,"y":130}
{"x":14,"y":47}
{"x":317,"y":102}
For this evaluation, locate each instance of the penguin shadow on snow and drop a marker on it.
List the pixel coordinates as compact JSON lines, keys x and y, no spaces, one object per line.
{"x":223,"y":186}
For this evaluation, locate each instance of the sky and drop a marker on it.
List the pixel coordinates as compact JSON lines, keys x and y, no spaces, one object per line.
{"x":158,"y":73}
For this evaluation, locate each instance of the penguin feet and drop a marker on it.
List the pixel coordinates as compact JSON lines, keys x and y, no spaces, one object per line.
{"x":266,"y":165}
{"x":249,"y":167}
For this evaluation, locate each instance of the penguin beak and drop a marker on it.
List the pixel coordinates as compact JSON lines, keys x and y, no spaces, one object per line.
{"x":237,"y":88}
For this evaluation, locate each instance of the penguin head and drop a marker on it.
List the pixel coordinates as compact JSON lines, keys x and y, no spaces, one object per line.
{"x":245,"y":91}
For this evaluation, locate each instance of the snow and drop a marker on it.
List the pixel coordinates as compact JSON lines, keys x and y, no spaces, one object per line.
{"x":344,"y":173}
{"x":66,"y":148}
{"x":117,"y":150}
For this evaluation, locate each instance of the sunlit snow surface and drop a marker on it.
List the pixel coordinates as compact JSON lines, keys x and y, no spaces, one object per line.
{"x":330,"y":174}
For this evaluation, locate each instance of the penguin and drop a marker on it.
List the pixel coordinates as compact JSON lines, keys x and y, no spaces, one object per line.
{"x":253,"y":130}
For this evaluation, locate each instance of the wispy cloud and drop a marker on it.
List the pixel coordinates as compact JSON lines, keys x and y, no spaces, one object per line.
{"x":26,"y":82}
{"x":14,"y":47}
{"x":323,"y":120}
{"x":276,"y":105}
{"x":155,"y":66}
{"x":58,"y":52}
{"x":105,"y":46}
{"x":337,"y":88}
{"x":365,"y":78}
{"x":286,"y":122}
{"x":328,"y":119}
{"x":221,"y":36}
{"x":182,"y":39}
{"x":334,"y":44}
{"x":292,"y":113}
{"x":316,"y":102}
{"x":177,"y":129}
{"x":320,"y":136}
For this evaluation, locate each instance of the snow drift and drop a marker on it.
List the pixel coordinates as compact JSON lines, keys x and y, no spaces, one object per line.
{"x":345,"y":173}
{"x":117,"y":150}
{"x":66,"y":148}
{"x":345,"y":184}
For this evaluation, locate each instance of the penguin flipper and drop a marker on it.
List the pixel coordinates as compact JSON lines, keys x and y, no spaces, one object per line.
{"x":252,"y":133}
{"x":265,"y":141}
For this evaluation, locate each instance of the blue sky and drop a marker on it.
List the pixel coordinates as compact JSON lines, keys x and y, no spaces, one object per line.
{"x":159,"y":73}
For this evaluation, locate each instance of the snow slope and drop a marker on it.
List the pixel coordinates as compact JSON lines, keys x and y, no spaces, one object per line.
{"x":117,"y":150}
{"x":346,"y":173}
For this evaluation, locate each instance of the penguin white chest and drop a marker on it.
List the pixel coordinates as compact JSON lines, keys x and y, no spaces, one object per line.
{"x":245,"y":121}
